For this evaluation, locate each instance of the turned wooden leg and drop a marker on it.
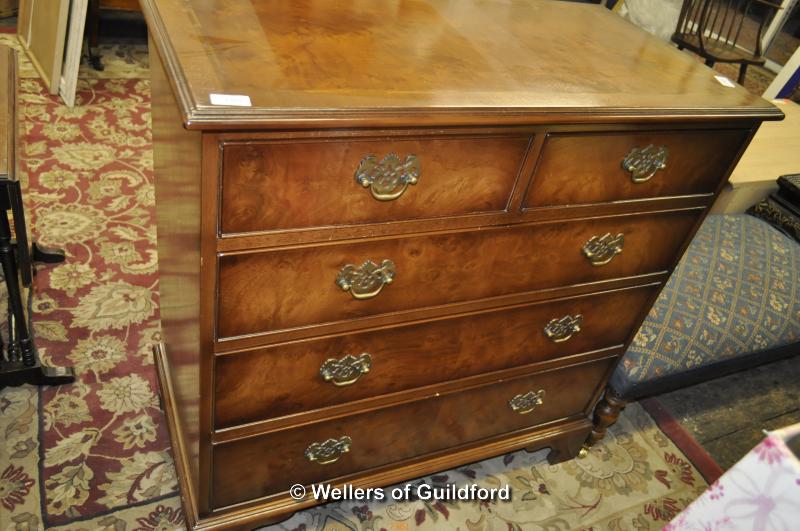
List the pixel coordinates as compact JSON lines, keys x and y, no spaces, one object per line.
{"x":605,"y":414}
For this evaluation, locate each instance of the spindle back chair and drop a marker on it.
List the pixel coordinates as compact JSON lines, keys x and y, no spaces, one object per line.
{"x":722,"y":31}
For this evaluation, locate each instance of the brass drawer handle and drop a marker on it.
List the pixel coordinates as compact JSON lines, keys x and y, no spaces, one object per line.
{"x":389,"y":178}
{"x":367,"y":280}
{"x":329,"y":451}
{"x":600,"y":250}
{"x":346,"y":370}
{"x":560,"y":330}
{"x":524,"y":404}
{"x":643,"y":163}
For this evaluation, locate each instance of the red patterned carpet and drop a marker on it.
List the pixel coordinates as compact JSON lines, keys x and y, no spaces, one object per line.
{"x":83,"y":451}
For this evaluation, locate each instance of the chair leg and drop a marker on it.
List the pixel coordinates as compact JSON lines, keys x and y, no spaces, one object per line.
{"x":710,"y":62}
{"x":606,"y":413}
{"x":742,"y":74}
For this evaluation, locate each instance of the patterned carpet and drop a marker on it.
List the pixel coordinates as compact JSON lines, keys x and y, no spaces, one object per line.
{"x":637,"y":479}
{"x":92,"y":455}
{"x":95,"y":455}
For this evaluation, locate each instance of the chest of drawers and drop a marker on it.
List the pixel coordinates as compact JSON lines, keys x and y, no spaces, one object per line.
{"x":396,"y":237}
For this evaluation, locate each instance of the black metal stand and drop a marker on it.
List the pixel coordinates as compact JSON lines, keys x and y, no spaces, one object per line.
{"x":19,"y":361}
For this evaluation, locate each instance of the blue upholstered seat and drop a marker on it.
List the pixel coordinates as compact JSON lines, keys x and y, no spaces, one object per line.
{"x":734,"y":295}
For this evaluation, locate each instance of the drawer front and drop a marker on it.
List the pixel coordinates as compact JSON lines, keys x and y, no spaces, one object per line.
{"x":587,"y":168}
{"x":307,"y":375}
{"x":259,"y":466}
{"x":270,"y":186}
{"x":273,"y":290}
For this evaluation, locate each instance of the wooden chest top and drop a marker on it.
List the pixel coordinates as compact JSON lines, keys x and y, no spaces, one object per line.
{"x":325,"y":63}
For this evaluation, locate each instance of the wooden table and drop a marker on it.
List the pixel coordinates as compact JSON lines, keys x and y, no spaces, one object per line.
{"x":774,"y":151}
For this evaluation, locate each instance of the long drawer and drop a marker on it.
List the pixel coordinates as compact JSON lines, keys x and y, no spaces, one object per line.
{"x":347,"y":445}
{"x":282,"y":380}
{"x":267,"y":291}
{"x":289,"y":184}
{"x":585,"y":168}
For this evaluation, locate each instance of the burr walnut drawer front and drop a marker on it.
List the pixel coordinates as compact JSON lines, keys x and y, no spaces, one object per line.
{"x":264,"y":291}
{"x":584,"y":168}
{"x":286,"y":379}
{"x":346,"y":445}
{"x":275,"y":185}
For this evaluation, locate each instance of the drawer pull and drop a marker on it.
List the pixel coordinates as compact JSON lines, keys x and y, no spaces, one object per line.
{"x":600,"y":250}
{"x":643,"y":163}
{"x":346,"y":370}
{"x":329,"y":451}
{"x":560,"y":330}
{"x":389,"y":178}
{"x":524,"y":404}
{"x":367,"y":280}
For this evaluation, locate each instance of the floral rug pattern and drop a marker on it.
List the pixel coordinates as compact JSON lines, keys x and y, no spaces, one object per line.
{"x":87,"y":450}
{"x":636,"y":480}
{"x":95,"y":455}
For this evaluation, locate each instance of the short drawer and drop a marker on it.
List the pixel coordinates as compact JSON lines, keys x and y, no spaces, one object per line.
{"x":586,"y":168}
{"x":360,"y":442}
{"x":282,"y":380}
{"x":277,"y":185}
{"x":261,"y":292}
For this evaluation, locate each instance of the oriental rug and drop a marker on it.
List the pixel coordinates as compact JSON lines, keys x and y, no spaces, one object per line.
{"x":95,"y":455}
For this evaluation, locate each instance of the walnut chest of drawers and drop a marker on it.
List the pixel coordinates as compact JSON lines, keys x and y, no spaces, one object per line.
{"x":396,"y":237}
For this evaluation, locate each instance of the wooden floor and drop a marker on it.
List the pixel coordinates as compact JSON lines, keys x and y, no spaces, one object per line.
{"x":727,"y":415}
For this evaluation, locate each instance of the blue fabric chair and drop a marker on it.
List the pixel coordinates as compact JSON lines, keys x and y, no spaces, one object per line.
{"x":735,"y":295}
{"x":733,"y":302}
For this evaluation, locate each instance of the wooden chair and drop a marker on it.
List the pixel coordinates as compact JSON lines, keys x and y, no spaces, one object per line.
{"x":712,"y":29}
